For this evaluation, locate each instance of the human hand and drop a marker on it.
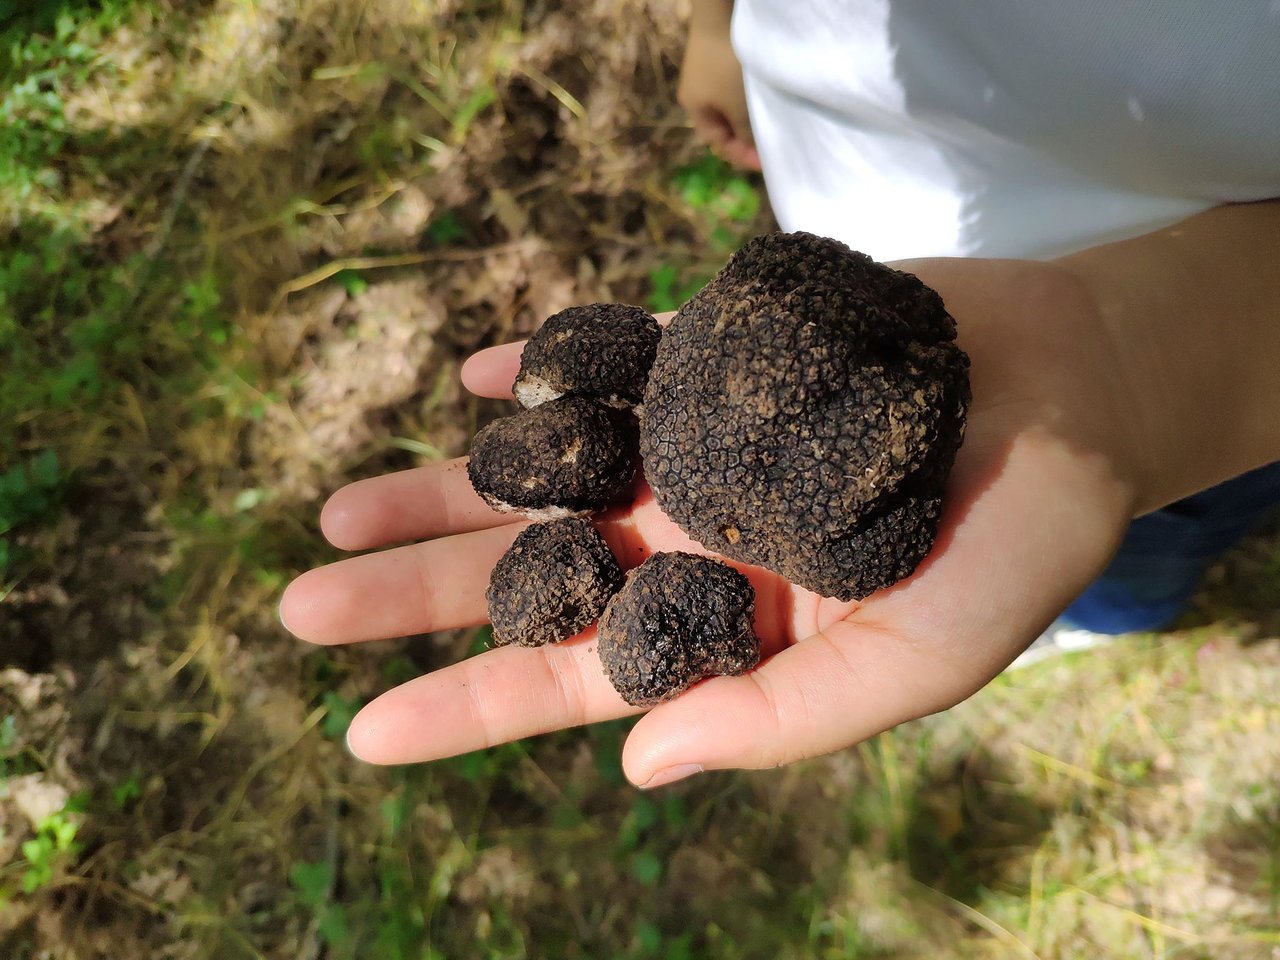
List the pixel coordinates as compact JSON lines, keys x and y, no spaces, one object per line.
{"x":1039,"y":497}
{"x":711,"y":87}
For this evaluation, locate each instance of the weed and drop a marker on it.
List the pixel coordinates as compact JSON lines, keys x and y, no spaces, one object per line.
{"x":53,"y":846}
{"x":650,"y":942}
{"x":646,"y":867}
{"x":40,"y":51}
{"x":14,"y":762}
{"x":340,"y":711}
{"x":30,"y":492}
{"x":711,"y":186}
{"x":78,"y":324}
{"x":480,"y":99}
{"x":313,"y":884}
{"x":198,"y":318}
{"x":669,"y":288}
{"x":444,"y":230}
{"x":123,"y":794}
{"x":351,"y":281}
{"x":723,"y":204}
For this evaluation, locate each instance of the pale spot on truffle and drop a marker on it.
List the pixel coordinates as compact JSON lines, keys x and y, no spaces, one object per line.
{"x":570,"y":454}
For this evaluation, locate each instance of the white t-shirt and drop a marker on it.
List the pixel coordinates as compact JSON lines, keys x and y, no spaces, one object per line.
{"x":1019,"y":128}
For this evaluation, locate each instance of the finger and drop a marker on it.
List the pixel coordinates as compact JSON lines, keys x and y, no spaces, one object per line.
{"x":741,"y":154}
{"x":832,"y":689}
{"x":492,"y":371}
{"x":431,"y":501}
{"x":713,"y":135}
{"x":440,"y":584}
{"x":712,"y":126}
{"x":498,"y":696}
{"x":1030,"y":526}
{"x":515,"y":692}
{"x":429,"y":586}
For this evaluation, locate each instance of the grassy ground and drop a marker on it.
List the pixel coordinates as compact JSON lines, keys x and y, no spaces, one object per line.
{"x":244,"y":245}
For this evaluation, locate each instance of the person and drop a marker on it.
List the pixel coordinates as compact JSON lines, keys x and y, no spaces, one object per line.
{"x":955,"y":155}
{"x":1114,"y":281}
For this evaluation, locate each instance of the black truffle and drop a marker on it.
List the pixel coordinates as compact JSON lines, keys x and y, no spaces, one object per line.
{"x":567,"y":457}
{"x":679,"y":619}
{"x":602,"y":351}
{"x":553,"y":582}
{"x":803,"y":413}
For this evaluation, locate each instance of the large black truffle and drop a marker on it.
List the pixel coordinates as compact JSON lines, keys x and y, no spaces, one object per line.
{"x":567,"y":457}
{"x":679,"y":619}
{"x":803,"y":413}
{"x":602,"y":351}
{"x":553,"y":582}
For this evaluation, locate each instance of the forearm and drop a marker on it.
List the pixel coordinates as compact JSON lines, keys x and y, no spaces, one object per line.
{"x":1194,"y":311}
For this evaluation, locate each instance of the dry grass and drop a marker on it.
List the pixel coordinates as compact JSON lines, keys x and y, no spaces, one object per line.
{"x":317,"y":208}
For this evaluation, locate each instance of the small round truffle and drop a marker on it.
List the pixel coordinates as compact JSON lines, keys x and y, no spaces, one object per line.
{"x":602,"y":351}
{"x":803,"y":413}
{"x":553,"y":582}
{"x":679,"y":619}
{"x":567,"y":457}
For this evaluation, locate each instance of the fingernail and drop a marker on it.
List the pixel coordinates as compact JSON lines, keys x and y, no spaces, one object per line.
{"x":671,"y":775}
{"x":346,"y":739}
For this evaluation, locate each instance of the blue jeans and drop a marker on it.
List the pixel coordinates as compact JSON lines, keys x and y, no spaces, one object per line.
{"x":1154,"y":576}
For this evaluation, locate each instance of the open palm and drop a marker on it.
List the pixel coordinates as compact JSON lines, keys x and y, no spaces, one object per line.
{"x":1037,"y":502}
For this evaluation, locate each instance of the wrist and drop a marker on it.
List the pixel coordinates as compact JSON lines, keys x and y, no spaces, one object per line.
{"x":1193,"y":312}
{"x":1135,"y":386}
{"x":1044,"y":370}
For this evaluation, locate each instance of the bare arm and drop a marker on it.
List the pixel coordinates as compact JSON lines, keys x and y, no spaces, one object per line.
{"x":1195,"y":312}
{"x":711,"y":87}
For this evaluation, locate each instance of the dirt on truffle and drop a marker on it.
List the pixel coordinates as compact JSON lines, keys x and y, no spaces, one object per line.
{"x":803,"y":413}
{"x":679,"y":619}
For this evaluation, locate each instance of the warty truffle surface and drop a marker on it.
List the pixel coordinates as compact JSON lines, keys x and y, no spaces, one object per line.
{"x":602,"y":351}
{"x":803,"y":413}
{"x":566,"y":457}
{"x":552,"y":583}
{"x":678,"y":619}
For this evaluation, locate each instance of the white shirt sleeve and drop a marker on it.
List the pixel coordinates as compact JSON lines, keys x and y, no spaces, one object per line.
{"x":1008,"y":128}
